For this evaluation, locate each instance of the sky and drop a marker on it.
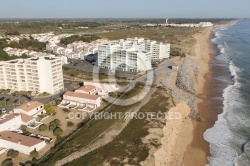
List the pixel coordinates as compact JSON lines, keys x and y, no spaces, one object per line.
{"x":124,"y":8}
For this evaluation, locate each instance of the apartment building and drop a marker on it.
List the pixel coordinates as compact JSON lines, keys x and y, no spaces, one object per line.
{"x":158,"y":50}
{"x":37,"y":74}
{"x":132,"y":54}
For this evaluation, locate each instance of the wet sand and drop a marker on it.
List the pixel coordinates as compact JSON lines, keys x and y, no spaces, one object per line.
{"x":212,"y":105}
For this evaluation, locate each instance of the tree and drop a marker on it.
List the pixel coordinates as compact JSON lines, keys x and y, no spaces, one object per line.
{"x":70,"y":124}
{"x":7,"y":162}
{"x":57,"y":121}
{"x":23,"y":127}
{"x":58,"y":131}
{"x":15,"y":154}
{"x":49,"y":109}
{"x":42,"y":127}
{"x":34,"y":153}
{"x":65,"y":110}
{"x":52,"y":125}
{"x":10,"y":152}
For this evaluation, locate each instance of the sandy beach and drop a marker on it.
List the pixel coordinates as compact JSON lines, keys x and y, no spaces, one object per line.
{"x":197,"y":151}
{"x":183,"y":142}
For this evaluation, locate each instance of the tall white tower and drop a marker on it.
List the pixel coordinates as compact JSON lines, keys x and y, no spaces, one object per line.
{"x":166,"y":21}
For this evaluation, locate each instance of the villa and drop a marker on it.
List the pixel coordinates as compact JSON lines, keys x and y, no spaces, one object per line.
{"x":19,"y":142}
{"x":32,"y":108}
{"x":12,"y":122}
{"x":76,"y":100}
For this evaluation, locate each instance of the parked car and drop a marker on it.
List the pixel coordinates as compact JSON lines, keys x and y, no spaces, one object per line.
{"x":52,"y":98}
{"x":2,"y":98}
{"x":3,"y":110}
{"x":16,"y":100}
{"x":7,"y":100}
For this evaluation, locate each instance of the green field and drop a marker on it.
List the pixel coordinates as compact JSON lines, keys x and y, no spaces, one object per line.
{"x":88,"y":133}
{"x":128,"y":146}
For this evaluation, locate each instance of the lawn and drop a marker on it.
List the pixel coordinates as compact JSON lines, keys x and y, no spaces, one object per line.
{"x":128,"y":147}
{"x":81,"y":74}
{"x":182,"y":38}
{"x":4,"y":104}
{"x":88,"y":133}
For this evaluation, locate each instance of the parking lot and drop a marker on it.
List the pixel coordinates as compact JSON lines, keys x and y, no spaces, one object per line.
{"x":88,"y":67}
{"x":10,"y":101}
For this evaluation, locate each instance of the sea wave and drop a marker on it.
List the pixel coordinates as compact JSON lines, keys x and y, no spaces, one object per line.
{"x":244,"y":158}
{"x":225,"y":144}
{"x":221,"y":135}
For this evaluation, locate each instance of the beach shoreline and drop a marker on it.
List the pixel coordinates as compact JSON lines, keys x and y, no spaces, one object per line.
{"x":197,"y":151}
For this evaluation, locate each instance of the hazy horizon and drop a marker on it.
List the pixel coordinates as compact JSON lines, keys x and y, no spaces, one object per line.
{"x":57,"y":9}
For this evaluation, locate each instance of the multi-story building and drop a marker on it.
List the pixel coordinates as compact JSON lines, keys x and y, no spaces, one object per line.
{"x":133,"y":54}
{"x":37,"y":74}
{"x":158,"y":50}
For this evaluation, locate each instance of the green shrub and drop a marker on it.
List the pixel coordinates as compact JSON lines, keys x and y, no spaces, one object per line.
{"x":34,"y":153}
{"x":58,"y":131}
{"x":42,"y":127}
{"x":70,"y":124}
{"x":7,"y":162}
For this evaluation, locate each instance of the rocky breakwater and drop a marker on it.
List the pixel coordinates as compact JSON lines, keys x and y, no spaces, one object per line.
{"x":187,"y":75}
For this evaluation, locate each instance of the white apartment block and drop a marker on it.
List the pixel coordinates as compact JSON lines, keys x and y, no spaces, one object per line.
{"x":158,"y":50}
{"x":133,"y":54}
{"x":37,"y":74}
{"x":116,"y":57}
{"x":19,"y":52}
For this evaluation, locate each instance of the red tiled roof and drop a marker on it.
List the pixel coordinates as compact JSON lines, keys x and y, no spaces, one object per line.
{"x":29,"y":106}
{"x":26,"y":118}
{"x":87,"y":88}
{"x":16,"y":138}
{"x":8,"y":118}
{"x":81,"y":95}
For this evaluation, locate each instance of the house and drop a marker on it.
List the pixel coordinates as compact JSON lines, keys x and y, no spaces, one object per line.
{"x":76,"y":99}
{"x":13,"y":122}
{"x":89,"y":89}
{"x":21,"y":143}
{"x":10,"y":122}
{"x":32,"y":108}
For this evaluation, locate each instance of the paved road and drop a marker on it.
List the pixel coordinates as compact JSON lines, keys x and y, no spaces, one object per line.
{"x":163,"y":66}
{"x":23,"y":99}
{"x":88,"y":67}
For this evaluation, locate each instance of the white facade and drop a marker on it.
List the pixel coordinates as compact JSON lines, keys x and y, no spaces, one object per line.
{"x":117,"y":57}
{"x":12,"y":122}
{"x":40,"y":74}
{"x":80,"y":99}
{"x":133,"y":54}
{"x":31,"y":108}
{"x":158,"y":50}
{"x":21,"y":143}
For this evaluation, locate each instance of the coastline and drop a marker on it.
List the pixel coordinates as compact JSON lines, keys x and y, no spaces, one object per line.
{"x":197,"y":151}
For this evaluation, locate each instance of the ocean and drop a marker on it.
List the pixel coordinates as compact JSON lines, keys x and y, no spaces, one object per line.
{"x":229,"y":138}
